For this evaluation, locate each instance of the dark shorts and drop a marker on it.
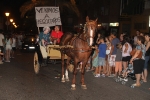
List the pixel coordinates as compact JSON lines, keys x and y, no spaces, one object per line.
{"x":14,"y":48}
{"x":2,"y":49}
{"x":126,"y":58}
{"x":138,"y":66}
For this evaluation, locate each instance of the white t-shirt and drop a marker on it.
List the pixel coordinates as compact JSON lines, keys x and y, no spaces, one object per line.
{"x":128,"y":51}
{"x":1,"y":38}
{"x":19,"y":39}
{"x":14,"y":42}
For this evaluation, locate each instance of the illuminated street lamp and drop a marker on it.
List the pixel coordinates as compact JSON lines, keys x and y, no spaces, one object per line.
{"x":7,"y":23}
{"x":13,"y":23}
{"x":7,"y":14}
{"x":11,"y":20}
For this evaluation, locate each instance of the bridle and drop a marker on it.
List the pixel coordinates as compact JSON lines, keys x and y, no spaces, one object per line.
{"x":89,"y":31}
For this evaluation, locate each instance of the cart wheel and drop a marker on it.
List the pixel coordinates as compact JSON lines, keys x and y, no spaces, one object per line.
{"x":36,"y":63}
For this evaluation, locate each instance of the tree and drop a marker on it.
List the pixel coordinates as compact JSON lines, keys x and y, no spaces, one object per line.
{"x":70,"y":4}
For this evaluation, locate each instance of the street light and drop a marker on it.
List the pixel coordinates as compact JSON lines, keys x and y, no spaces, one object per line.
{"x":11,"y":20}
{"x":7,"y":23}
{"x":13,"y":23}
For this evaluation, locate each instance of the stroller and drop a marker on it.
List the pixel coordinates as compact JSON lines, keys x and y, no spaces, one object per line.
{"x":128,"y":72}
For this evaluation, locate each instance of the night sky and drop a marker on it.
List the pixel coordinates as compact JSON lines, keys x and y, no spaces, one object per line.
{"x":13,"y":7}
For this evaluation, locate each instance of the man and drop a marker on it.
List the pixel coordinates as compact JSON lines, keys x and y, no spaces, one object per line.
{"x":113,"y":51}
{"x":56,"y":34}
{"x":1,"y":46}
{"x":135,"y":37}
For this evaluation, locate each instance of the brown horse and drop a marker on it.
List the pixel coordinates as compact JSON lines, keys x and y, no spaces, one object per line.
{"x":79,"y":53}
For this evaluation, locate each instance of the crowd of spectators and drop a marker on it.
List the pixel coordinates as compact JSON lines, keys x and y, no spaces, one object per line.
{"x":8,"y":45}
{"x":113,"y":55}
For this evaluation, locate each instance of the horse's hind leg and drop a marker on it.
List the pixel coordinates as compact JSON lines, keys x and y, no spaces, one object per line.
{"x":66,"y":72}
{"x":83,"y":86}
{"x":62,"y":65}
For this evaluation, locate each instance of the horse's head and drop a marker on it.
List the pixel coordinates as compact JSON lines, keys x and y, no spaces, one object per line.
{"x":91,"y":26}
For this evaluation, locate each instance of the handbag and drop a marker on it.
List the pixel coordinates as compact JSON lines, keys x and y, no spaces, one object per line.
{"x":132,"y":53}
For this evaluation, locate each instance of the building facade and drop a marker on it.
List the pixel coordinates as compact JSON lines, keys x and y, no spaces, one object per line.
{"x":134,"y":16}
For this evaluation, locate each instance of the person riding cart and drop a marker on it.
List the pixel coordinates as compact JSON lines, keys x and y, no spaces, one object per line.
{"x":44,"y":37}
{"x":56,"y":35}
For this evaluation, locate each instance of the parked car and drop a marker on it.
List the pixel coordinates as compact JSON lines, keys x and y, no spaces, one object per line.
{"x":28,"y":43}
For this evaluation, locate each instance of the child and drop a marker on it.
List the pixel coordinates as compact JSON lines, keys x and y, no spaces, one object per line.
{"x":107,"y":54}
{"x":118,"y":60}
{"x":95,"y":58}
{"x":101,"y":57}
{"x":88,"y":65}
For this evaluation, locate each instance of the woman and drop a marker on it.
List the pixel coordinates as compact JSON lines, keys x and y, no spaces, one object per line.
{"x":147,"y":55}
{"x":44,"y":37}
{"x":138,"y":62}
{"x":8,"y":48}
{"x":98,"y":37}
{"x":126,"y":49}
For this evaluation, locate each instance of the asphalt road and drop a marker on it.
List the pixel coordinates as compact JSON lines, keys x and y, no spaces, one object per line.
{"x":19,"y":82}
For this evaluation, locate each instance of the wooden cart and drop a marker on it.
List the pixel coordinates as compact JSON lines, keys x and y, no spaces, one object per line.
{"x":42,"y":55}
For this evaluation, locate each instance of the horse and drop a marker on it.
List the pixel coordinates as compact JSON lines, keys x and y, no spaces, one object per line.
{"x":82,"y":48}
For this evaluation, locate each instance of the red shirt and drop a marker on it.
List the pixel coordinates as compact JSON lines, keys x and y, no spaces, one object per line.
{"x":57,"y":35}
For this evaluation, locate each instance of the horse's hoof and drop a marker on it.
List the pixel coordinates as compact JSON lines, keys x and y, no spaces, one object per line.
{"x":73,"y":88}
{"x":63,"y":80}
{"x":83,"y":87}
{"x":67,"y":79}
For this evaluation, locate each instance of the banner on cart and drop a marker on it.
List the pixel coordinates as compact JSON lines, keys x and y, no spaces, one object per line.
{"x":47,"y":16}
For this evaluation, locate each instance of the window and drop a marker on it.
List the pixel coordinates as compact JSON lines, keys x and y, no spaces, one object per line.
{"x":139,"y":26}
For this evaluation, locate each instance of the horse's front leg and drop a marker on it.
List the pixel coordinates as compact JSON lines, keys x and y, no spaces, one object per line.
{"x":73,"y":86}
{"x":62,"y":65}
{"x":83,"y":86}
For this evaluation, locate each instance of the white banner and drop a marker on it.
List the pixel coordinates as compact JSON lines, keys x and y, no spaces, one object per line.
{"x":47,"y":16}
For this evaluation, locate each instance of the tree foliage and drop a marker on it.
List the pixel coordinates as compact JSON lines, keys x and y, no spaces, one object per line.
{"x":30,"y":5}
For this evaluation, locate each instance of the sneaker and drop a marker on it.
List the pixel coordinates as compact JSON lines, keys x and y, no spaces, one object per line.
{"x":7,"y":61}
{"x":87,"y":70}
{"x":125,"y":79}
{"x":111,"y":75}
{"x":103,"y":75}
{"x":97,"y":75}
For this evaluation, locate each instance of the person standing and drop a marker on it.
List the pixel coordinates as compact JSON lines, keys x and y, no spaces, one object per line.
{"x":118,"y":60}
{"x":135,"y":37}
{"x":56,"y":35}
{"x":147,"y":57}
{"x":113,"y":52}
{"x":137,"y":60}
{"x":8,"y":48}
{"x":101,"y":57}
{"x":13,"y":46}
{"x":20,"y":40}
{"x":2,"y":41}
{"x":98,"y":38}
{"x":126,"y":49}
{"x":95,"y":58}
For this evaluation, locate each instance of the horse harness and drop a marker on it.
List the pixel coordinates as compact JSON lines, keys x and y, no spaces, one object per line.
{"x":79,"y":49}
